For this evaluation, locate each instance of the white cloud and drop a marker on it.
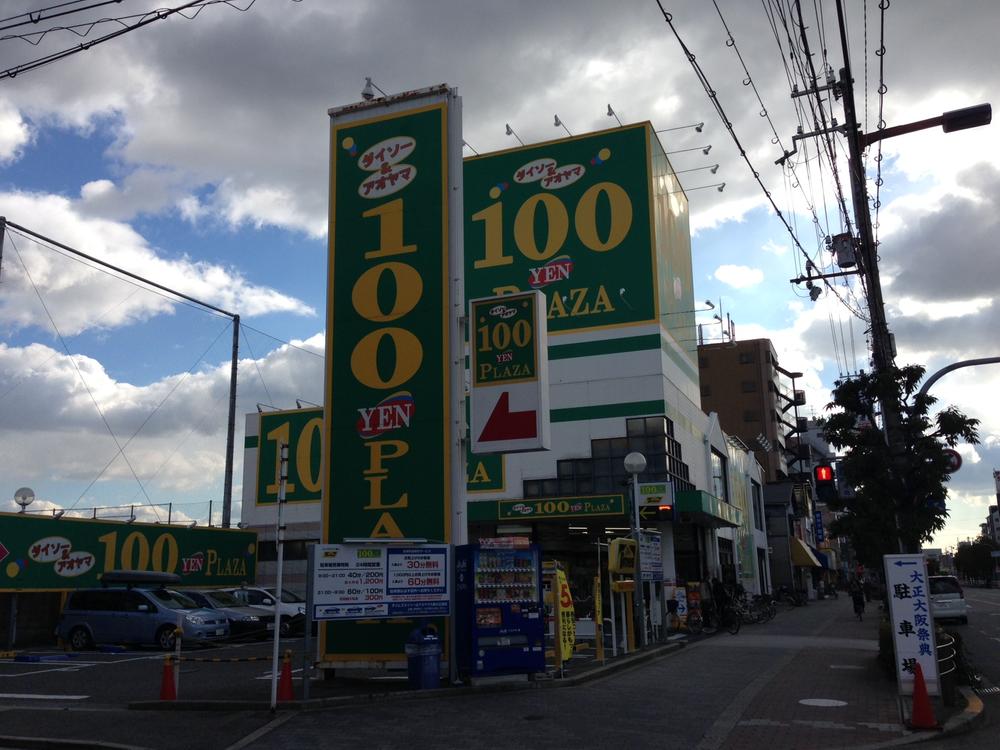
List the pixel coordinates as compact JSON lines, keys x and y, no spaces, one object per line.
{"x":775,"y":248}
{"x":739,"y":277}
{"x":14,"y":132}
{"x":79,"y":298}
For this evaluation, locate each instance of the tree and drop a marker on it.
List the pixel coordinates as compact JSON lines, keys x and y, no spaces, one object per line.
{"x":974,"y":560}
{"x":899,"y":491}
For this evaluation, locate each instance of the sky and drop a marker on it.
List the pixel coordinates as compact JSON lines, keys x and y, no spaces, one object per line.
{"x":194,"y":151}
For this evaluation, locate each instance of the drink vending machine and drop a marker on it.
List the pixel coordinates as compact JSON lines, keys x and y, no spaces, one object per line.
{"x":500,"y":624}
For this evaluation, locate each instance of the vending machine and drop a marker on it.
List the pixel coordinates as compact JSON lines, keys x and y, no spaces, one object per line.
{"x":499,"y":620}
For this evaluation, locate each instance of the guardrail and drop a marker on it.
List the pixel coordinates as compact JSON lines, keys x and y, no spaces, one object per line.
{"x":947,"y":653}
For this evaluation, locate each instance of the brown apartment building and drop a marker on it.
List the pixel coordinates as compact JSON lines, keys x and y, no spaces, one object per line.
{"x":754,"y":397}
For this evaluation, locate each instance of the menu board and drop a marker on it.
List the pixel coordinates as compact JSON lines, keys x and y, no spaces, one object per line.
{"x":365,"y":581}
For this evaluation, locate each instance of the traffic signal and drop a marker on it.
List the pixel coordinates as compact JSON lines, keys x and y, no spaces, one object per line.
{"x":665,"y":512}
{"x":826,"y":487}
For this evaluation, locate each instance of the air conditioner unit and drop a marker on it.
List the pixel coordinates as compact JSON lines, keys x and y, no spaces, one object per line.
{"x":800,"y":398}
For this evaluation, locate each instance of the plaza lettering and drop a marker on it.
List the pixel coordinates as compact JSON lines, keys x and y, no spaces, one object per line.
{"x":230,"y":566}
{"x":489,"y":372}
{"x":580,"y":301}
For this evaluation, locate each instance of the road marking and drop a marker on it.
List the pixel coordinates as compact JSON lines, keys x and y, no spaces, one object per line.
{"x":74,"y":668}
{"x":267,"y":675}
{"x":846,"y":666}
{"x":39,"y":697}
{"x":823,"y":702}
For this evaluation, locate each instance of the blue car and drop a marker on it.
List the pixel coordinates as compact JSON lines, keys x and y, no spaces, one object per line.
{"x":136,"y":616}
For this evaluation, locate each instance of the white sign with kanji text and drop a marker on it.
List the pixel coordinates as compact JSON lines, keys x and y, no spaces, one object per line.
{"x":908,"y":590}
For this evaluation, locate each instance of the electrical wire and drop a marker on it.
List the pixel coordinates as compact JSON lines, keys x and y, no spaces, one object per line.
{"x":882,"y":89}
{"x":256,"y":364}
{"x":128,"y":279}
{"x":153,"y":413}
{"x":35,"y":16}
{"x":79,"y":373}
{"x":714,"y":98}
{"x":145,"y":19}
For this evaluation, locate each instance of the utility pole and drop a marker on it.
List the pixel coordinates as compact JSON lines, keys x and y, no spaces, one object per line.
{"x":883,"y":354}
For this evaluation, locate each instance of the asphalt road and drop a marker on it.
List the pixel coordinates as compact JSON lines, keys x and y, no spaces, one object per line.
{"x":982,"y":640}
{"x":806,"y":680}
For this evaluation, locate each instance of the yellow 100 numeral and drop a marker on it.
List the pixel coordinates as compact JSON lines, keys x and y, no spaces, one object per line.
{"x":584,"y":221}
{"x":135,"y":553}
{"x":307,"y":474}
{"x":502,"y":334}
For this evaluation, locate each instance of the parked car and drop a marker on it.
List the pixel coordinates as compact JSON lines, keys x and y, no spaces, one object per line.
{"x":948,"y":599}
{"x":136,"y":616}
{"x":244,"y":621}
{"x":292,"y":607}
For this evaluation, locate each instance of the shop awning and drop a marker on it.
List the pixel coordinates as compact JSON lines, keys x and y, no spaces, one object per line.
{"x":824,"y":562}
{"x":802,"y":556}
{"x":696,"y":506}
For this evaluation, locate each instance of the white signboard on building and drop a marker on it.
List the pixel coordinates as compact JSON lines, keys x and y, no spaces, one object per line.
{"x":364,"y":581}
{"x":509,"y":363}
{"x":651,"y":555}
{"x":912,"y":622}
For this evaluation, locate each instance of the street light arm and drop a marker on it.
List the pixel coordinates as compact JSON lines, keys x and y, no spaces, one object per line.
{"x":954,"y":366}
{"x":956,"y":119}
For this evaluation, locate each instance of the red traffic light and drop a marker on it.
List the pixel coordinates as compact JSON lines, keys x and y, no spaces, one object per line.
{"x":823,"y":474}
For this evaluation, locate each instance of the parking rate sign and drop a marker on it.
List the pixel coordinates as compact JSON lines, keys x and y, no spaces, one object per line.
{"x":510,"y":379}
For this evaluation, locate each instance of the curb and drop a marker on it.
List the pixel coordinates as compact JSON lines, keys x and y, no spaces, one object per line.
{"x":974,"y":713}
{"x":314,"y":704}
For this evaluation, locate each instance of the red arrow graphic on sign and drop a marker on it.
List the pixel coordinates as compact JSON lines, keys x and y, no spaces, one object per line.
{"x":3,"y":551}
{"x":505,"y":424}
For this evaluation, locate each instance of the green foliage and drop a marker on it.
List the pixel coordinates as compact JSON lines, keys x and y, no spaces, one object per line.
{"x":974,"y":560}
{"x":907,"y":479}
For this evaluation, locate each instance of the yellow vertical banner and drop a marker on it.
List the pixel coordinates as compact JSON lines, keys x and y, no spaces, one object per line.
{"x":598,"y":620}
{"x":565,"y":616}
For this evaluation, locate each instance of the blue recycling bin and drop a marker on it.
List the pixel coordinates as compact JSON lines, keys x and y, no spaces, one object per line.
{"x":423,"y":659}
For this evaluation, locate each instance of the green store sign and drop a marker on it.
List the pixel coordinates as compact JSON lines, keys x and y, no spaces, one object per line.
{"x":561,"y":507}
{"x":505,"y":345}
{"x":302,"y":431}
{"x":388,"y":368}
{"x":39,"y":553}
{"x":569,"y":217}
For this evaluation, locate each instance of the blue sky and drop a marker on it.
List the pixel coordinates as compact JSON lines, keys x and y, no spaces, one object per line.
{"x":195,"y":152}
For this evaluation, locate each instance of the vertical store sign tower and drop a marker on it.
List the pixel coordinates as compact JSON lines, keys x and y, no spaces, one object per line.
{"x":392,"y":461}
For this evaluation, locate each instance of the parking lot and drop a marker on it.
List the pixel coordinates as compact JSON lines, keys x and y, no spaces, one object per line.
{"x":238,"y":671}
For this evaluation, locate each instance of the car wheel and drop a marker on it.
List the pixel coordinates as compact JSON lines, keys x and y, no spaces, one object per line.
{"x":79,"y":639}
{"x":166,"y":638}
{"x":285,"y":628}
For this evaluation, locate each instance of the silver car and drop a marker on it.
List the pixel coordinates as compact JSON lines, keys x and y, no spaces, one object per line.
{"x":948,"y":599}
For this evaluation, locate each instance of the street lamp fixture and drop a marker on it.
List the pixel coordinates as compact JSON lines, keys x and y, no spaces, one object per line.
{"x":635,"y":464}
{"x":957,"y":119}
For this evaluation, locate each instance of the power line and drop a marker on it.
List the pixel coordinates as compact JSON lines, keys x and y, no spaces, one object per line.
{"x":145,"y":19}
{"x":34,"y":16}
{"x":79,"y":373}
{"x":713,"y":96}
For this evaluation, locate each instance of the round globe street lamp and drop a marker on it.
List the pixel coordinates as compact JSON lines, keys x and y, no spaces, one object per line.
{"x":635,"y":464}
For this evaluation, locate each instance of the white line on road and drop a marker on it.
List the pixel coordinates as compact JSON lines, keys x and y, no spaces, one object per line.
{"x":38,"y":697}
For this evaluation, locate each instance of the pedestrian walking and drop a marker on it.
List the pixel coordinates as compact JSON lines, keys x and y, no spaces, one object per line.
{"x":858,"y":597}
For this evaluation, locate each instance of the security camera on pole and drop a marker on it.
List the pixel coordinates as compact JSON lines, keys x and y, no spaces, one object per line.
{"x":635,"y":464}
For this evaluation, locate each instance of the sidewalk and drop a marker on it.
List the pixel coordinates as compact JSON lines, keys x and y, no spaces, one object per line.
{"x":827,"y":690}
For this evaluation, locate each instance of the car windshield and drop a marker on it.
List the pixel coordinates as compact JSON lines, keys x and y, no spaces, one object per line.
{"x":223,"y":599}
{"x":288,"y":597}
{"x":945,"y":586}
{"x":174,"y":599}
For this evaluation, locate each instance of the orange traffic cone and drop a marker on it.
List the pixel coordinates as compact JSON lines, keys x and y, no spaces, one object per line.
{"x":922,"y":716}
{"x":167,"y":690}
{"x":285,"y":692}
